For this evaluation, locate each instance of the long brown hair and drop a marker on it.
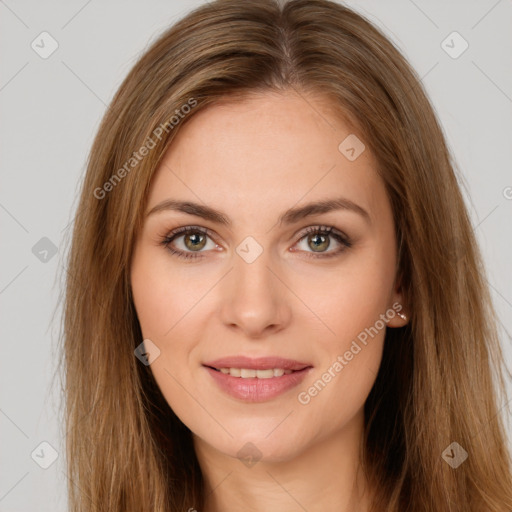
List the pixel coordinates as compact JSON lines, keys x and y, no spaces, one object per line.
{"x":441,"y":378}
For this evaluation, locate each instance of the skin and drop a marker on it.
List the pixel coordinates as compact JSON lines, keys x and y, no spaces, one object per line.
{"x":253,"y":160}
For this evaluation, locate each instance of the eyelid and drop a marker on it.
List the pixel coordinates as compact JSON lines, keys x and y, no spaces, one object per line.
{"x":190,"y":227}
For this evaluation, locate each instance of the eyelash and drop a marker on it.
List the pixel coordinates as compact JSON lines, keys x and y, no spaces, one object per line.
{"x":320,"y":230}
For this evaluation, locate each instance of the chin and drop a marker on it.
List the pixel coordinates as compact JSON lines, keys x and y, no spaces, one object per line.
{"x":257,"y":446}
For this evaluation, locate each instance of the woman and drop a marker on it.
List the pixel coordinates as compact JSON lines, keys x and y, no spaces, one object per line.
{"x":276,"y":301}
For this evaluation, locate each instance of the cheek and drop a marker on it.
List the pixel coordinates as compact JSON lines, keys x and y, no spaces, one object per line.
{"x":165,"y":301}
{"x":350,"y":303}
{"x":152,"y":302}
{"x":350,"y":298}
{"x":171,"y":302}
{"x":163,"y":296}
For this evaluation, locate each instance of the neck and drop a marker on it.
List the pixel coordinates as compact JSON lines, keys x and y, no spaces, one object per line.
{"x":326,"y":475}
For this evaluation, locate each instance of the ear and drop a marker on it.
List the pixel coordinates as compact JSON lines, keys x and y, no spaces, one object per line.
{"x":397,"y":312}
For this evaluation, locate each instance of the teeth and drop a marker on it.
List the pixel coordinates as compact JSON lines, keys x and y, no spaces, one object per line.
{"x":247,"y":373}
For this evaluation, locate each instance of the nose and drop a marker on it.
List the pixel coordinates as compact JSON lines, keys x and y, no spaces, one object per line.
{"x":255,"y":299}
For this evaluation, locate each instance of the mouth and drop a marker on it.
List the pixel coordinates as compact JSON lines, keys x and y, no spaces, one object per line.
{"x":256,"y":380}
{"x":261,"y":367}
{"x":250,"y":373}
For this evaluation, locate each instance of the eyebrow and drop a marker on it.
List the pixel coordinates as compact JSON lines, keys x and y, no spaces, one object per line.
{"x":291,"y":216}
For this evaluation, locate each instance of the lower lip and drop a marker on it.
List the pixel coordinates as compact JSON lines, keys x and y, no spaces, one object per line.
{"x":257,"y":390}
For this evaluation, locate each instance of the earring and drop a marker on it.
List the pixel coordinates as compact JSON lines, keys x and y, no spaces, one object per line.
{"x":402,"y":316}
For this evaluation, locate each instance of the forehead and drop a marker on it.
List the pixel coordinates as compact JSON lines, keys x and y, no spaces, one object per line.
{"x":266,"y":153}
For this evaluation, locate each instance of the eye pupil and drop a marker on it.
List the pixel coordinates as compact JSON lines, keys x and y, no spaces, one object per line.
{"x":322,"y":245}
{"x":195,"y":237}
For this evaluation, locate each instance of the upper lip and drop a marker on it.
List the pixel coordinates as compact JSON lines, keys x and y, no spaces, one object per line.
{"x":258,"y":363}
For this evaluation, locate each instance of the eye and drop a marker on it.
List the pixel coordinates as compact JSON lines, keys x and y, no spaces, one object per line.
{"x":318,"y":238}
{"x":195,"y":239}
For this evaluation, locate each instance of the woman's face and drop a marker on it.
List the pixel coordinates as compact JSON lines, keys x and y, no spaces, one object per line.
{"x":259,"y":280}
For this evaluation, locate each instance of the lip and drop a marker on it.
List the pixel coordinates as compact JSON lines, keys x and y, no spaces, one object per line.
{"x":259,"y":363}
{"x":253,"y":389}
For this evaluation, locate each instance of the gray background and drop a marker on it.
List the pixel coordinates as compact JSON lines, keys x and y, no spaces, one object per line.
{"x":51,"y":109}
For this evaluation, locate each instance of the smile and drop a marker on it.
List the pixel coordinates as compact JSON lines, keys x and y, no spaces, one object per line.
{"x":256,"y":380}
{"x":247,"y":373}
